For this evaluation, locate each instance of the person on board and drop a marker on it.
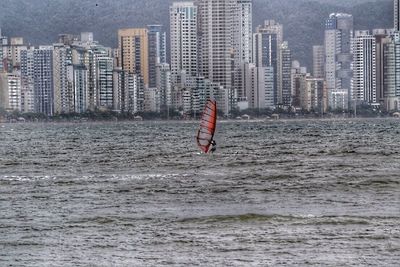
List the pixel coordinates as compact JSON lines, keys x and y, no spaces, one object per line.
{"x":213,"y":146}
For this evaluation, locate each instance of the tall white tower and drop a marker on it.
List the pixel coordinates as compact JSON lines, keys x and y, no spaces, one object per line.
{"x":216,"y":31}
{"x":157,"y":51}
{"x":397,"y":15}
{"x":338,"y":57}
{"x":183,"y":22}
{"x":364,"y":77}
{"x":242,"y":42}
{"x":267,"y":45}
{"x":63,"y":93}
{"x":318,"y":61}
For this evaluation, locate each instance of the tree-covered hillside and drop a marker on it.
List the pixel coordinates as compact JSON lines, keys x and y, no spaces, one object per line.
{"x":40,"y":21}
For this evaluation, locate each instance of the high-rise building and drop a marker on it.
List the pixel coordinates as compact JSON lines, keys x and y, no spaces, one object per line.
{"x":163,"y":85}
{"x":10,"y":91}
{"x":216,"y":32}
{"x":397,"y":15}
{"x":318,"y":61}
{"x":27,"y":80}
{"x":1,"y":58}
{"x":131,"y":91}
{"x":12,"y":53}
{"x":157,"y":51}
{"x":152,"y":100}
{"x":315,"y":95}
{"x":81,"y":84}
{"x":286,"y":69}
{"x":3,"y":42}
{"x":43,"y":80}
{"x":202,"y":89}
{"x":364,"y":77}
{"x":87,"y":56}
{"x":118,"y":85}
{"x":267,"y":43}
{"x":391,"y":101}
{"x":105,"y":82}
{"x":99,"y":63}
{"x":243,"y":29}
{"x":338,"y":57}
{"x":382,"y":38}
{"x":126,"y":85}
{"x":63,"y":79}
{"x":190,"y":94}
{"x":134,"y":49}
{"x":181,"y":100}
{"x":259,"y":85}
{"x":4,"y":64}
{"x":3,"y":91}
{"x":392,"y":73}
{"x":105,"y":65}
{"x":242,"y":44}
{"x":184,"y":44}
{"x":299,"y":75}
{"x":16,"y":46}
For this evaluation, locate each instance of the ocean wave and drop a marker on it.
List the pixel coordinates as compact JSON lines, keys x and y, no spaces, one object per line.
{"x":307,"y":219}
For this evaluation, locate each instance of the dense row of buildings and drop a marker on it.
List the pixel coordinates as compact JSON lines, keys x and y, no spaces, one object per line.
{"x":213,"y":53}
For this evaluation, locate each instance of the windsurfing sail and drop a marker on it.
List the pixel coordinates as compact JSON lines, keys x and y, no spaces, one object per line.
{"x":208,"y":124}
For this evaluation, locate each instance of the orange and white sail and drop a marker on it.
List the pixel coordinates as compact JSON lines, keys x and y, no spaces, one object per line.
{"x":208,"y":125}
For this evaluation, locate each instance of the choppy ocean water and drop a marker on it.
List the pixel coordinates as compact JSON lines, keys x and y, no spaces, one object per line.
{"x":286,"y":193}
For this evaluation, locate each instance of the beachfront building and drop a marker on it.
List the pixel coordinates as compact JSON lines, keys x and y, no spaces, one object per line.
{"x":242,"y":46}
{"x":364,"y":68}
{"x":105,"y":65}
{"x":43,"y":80}
{"x":396,"y":16}
{"x":157,"y":39}
{"x":163,"y":84}
{"x":27,"y":80}
{"x":318,"y":61}
{"x":260,"y":86}
{"x":315,"y":95}
{"x":184,"y":41}
{"x":134,"y":51}
{"x":63,"y":79}
{"x":216,"y":47}
{"x":12,"y":53}
{"x":391,"y":77}
{"x":338,"y":58}
{"x":81,"y":88}
{"x":267,"y":53}
{"x":286,"y":75}
{"x":382,"y":38}
{"x":10,"y":91}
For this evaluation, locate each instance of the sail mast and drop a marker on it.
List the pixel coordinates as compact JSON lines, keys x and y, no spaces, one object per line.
{"x":207,"y":127}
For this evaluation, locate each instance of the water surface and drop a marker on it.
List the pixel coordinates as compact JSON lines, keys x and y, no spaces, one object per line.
{"x":286,"y":193}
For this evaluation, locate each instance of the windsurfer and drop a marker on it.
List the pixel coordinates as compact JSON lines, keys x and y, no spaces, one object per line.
{"x":205,"y":134}
{"x":213,"y":146}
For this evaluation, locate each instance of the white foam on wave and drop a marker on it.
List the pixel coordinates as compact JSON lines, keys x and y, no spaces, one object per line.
{"x":96,"y":178}
{"x":24,"y":178}
{"x":149,"y":176}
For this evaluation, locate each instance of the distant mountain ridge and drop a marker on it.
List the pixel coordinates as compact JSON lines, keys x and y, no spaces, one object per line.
{"x":40,"y":21}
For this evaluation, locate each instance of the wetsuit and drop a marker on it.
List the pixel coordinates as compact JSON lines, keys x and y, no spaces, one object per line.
{"x":214,"y":146}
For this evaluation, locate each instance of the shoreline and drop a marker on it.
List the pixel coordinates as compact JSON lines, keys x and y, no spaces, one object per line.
{"x":266,"y":120}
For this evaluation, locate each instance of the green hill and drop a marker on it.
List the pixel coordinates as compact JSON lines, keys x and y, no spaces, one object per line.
{"x":40,"y":21}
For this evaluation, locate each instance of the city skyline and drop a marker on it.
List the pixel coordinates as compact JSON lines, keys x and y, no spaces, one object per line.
{"x":214,"y":42}
{"x":98,"y":19}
